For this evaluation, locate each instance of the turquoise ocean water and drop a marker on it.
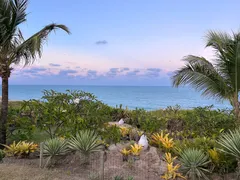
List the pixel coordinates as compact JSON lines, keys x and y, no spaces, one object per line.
{"x":146,"y":97}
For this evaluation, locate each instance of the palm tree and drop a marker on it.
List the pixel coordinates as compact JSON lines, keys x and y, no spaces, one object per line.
{"x":220,"y":78}
{"x":14,"y":49}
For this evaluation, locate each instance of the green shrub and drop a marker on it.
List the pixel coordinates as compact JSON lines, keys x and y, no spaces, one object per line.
{"x":85,"y":142}
{"x":145,"y":120}
{"x":53,"y":148}
{"x":58,"y":114}
{"x":19,"y":127}
{"x":122,"y":178}
{"x":202,"y":143}
{"x":2,"y":155}
{"x":212,"y":122}
{"x":111,"y":134}
{"x":230,"y":143}
{"x":194,"y":163}
{"x":118,"y":178}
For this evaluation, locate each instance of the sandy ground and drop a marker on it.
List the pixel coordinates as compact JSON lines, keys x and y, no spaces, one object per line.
{"x":19,"y":172}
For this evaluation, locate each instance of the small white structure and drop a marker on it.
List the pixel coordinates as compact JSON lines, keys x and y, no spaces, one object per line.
{"x":121,"y":122}
{"x":143,"y":142}
{"x":76,"y":101}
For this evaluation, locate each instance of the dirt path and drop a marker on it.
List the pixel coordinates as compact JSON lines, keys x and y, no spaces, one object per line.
{"x":18,"y":172}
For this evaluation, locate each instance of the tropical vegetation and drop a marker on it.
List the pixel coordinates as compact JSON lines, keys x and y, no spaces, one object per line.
{"x":218,"y":78}
{"x":15,"y":49}
{"x":196,"y":142}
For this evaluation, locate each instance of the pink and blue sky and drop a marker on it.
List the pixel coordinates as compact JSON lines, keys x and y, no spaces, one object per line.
{"x":121,"y":42}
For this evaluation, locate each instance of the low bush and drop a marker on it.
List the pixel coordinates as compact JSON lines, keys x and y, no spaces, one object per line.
{"x":194,"y":163}
{"x":111,"y":134}
{"x":53,"y":148}
{"x":85,"y":142}
{"x":2,"y":155}
{"x":20,"y":149}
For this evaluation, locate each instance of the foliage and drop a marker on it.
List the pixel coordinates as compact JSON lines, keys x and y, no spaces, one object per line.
{"x":55,"y":147}
{"x":212,"y":122}
{"x":118,"y":178}
{"x":20,"y":127}
{"x":172,"y":171}
{"x":136,"y":149}
{"x":2,"y":155}
{"x":202,"y":143}
{"x":168,"y":158}
{"x":111,"y":134}
{"x":144,"y":120}
{"x":20,"y":149}
{"x":125,"y":152}
{"x":219,"y":79}
{"x":194,"y":163}
{"x":85,"y":142}
{"x":124,"y":131}
{"x":58,"y":114}
{"x":230,"y":143}
{"x":162,"y":140}
{"x":122,"y":178}
{"x":221,"y":163}
{"x":214,"y":156}
{"x":15,"y":49}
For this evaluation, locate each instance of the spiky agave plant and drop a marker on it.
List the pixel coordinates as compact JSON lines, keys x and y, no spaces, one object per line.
{"x":230,"y":144}
{"x":85,"y":142}
{"x":55,"y":147}
{"x":193,"y":163}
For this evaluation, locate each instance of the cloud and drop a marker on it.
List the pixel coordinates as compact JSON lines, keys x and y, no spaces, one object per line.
{"x":102,"y":42}
{"x":34,"y":70}
{"x":68,"y":72}
{"x":170,"y":73}
{"x":54,"y":65}
{"x":133,"y":73}
{"x":154,"y":69}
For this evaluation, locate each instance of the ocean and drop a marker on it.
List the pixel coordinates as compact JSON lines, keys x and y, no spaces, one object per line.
{"x":149,"y":98}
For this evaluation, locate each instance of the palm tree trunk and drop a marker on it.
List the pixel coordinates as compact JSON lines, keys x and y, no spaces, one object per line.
{"x":4,"y":110}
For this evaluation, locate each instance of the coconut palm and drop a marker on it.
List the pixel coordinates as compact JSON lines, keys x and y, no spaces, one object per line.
{"x":220,"y":78}
{"x":14,"y":49}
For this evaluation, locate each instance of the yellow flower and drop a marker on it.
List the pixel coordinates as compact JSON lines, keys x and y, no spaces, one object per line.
{"x":172,"y":172}
{"x":164,"y":140}
{"x":124,"y":131}
{"x":168,"y":157}
{"x":125,"y":152}
{"x":136,"y":149}
{"x":214,"y":155}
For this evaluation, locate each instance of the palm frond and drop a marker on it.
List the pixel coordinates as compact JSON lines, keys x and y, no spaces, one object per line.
{"x":201,"y":74}
{"x":30,"y":49}
{"x":227,"y":52}
{"x":12,"y":14}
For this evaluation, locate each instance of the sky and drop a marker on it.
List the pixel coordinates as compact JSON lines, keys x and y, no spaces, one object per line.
{"x":120,"y":42}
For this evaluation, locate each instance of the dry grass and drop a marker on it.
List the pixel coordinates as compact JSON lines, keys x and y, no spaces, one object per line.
{"x":19,"y":172}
